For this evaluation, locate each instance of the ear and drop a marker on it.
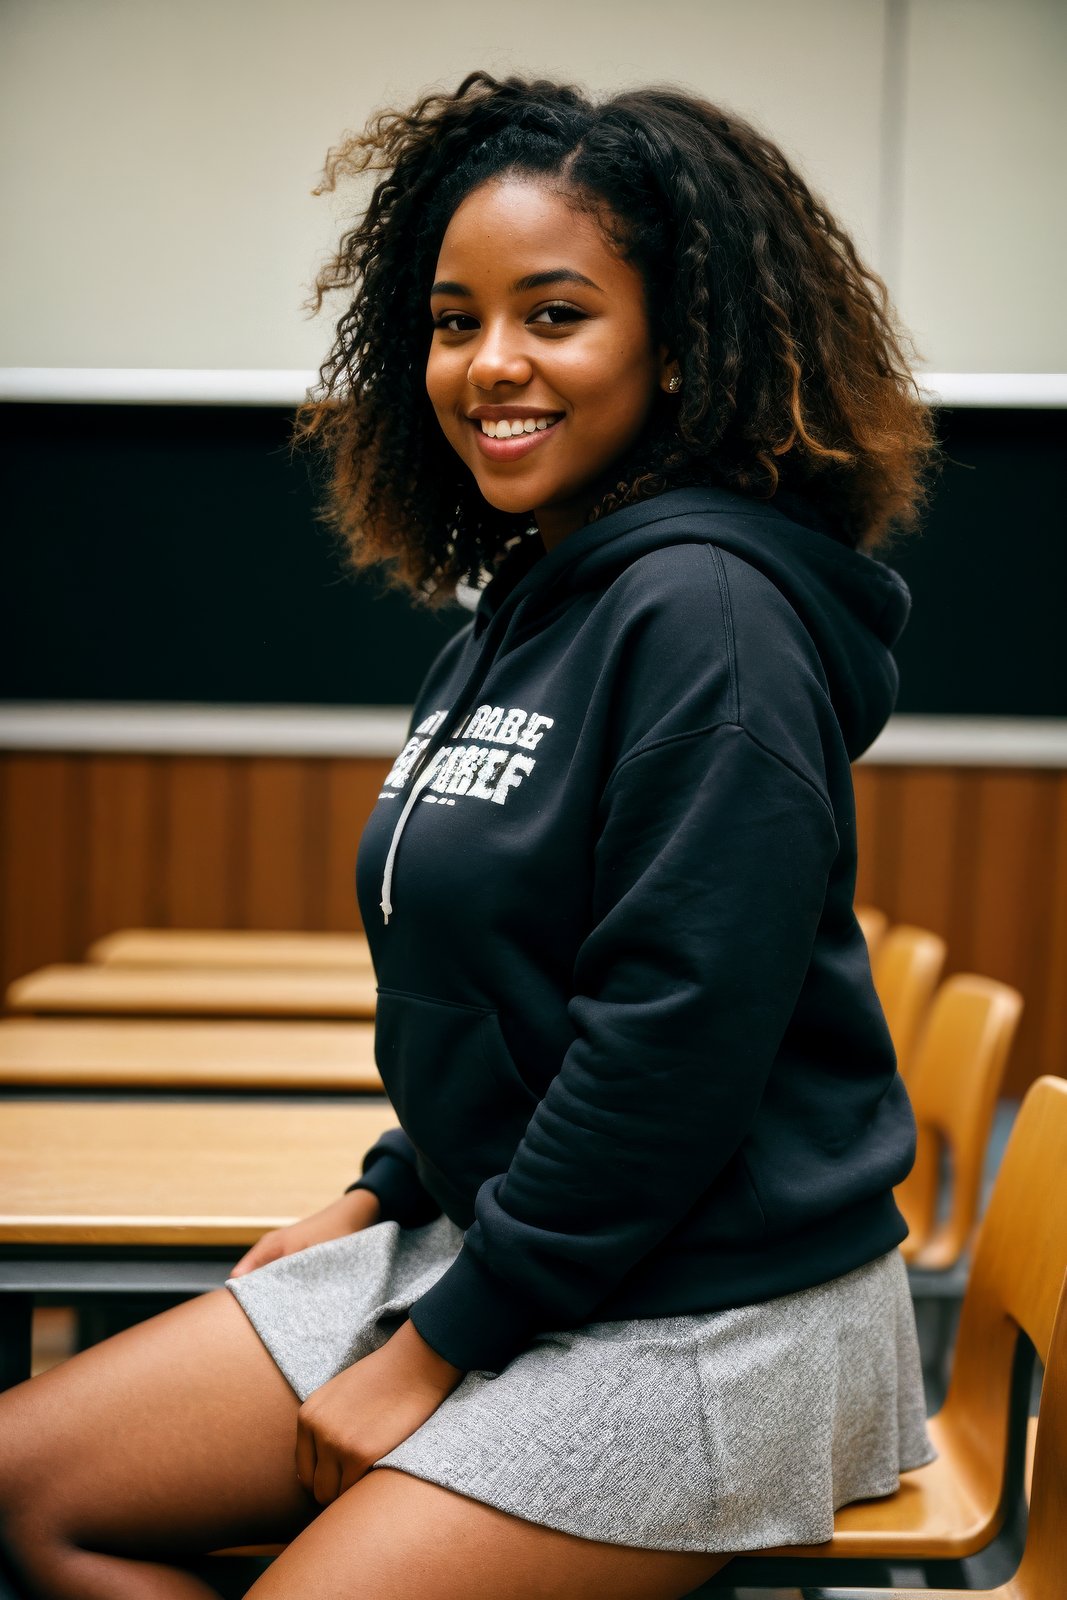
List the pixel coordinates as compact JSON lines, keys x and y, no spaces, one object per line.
{"x":668,"y":368}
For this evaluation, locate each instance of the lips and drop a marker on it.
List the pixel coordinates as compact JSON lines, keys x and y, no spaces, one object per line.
{"x":510,"y":449}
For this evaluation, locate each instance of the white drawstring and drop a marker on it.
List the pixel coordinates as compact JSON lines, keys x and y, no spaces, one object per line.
{"x":474,"y":679}
{"x":416,"y":789}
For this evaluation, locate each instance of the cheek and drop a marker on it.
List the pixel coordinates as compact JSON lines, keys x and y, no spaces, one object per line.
{"x":441,"y":392}
{"x":612,"y":376}
{"x":434,"y":377}
{"x":444,"y":368}
{"x":617,"y":405}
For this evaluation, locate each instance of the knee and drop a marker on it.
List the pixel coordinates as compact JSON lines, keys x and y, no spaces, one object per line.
{"x":22,"y":1444}
{"x":32,"y":1529}
{"x":34,"y":1549}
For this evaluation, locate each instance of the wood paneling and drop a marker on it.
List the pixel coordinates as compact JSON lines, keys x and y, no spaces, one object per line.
{"x":274,"y":843}
{"x":43,"y":879}
{"x":92,"y":843}
{"x":123,"y":795}
{"x":980,"y":856}
{"x":928,"y":807}
{"x":197,"y":866}
{"x":351,"y":789}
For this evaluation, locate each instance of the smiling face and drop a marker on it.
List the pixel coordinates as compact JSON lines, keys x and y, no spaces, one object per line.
{"x":537,"y":320}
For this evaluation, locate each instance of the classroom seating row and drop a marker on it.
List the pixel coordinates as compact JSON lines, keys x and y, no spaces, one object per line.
{"x":952,"y":1042}
{"x":156,"y":1009}
{"x":941,"y":1512}
{"x":905,"y":962}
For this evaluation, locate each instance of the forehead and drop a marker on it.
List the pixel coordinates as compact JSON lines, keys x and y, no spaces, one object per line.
{"x":517,"y":224}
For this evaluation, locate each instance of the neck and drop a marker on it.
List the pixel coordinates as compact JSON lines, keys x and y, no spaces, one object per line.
{"x":555,"y":523}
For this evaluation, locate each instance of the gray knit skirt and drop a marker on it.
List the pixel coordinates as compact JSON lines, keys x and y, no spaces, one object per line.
{"x":717,"y":1431}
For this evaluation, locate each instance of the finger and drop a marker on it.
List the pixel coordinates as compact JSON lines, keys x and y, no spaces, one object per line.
{"x":354,"y":1469}
{"x":327,"y":1477}
{"x":305,"y":1455}
{"x":248,"y":1263}
{"x":262,"y":1251}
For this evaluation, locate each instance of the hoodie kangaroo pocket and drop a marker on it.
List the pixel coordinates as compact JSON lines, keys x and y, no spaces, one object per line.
{"x":456,"y":1090}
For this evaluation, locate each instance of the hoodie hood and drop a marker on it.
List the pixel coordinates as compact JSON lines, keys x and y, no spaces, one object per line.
{"x":853,"y":605}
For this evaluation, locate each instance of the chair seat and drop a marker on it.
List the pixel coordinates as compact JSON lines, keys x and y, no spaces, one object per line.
{"x":937,"y":1513}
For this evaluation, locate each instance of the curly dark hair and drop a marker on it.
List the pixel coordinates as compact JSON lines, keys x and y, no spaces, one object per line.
{"x":794,"y":371}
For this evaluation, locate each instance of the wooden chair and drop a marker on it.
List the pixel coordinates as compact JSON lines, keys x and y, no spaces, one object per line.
{"x":173,"y":947}
{"x":873,"y":925}
{"x":94,"y":990}
{"x":956,"y":1072}
{"x":958,"y":1504}
{"x":906,"y":971}
{"x":176,"y":1053}
{"x":1042,"y":1573}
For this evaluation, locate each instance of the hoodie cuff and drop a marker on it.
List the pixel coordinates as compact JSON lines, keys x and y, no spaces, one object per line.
{"x":472,"y":1319}
{"x":401,"y":1195}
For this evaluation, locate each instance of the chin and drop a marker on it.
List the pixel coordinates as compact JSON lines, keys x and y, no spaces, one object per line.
{"x":513,"y":500}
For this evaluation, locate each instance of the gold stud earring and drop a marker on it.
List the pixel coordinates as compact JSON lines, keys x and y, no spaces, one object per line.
{"x":675,"y":383}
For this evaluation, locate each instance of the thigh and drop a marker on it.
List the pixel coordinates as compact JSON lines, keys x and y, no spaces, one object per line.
{"x":392,"y":1536}
{"x":174,"y":1436}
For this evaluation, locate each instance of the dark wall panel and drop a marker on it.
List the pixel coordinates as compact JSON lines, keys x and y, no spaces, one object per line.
{"x":173,"y":553}
{"x":988,"y":573}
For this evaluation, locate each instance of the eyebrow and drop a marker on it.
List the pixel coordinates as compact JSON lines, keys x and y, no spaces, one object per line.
{"x":533,"y":280}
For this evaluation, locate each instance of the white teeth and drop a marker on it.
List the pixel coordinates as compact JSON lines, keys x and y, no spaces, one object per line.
{"x":505,"y":429}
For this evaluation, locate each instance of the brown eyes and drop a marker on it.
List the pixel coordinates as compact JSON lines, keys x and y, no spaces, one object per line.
{"x":564,"y":312}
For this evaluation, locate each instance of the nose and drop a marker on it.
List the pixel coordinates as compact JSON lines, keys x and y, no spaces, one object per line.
{"x":498,"y":357}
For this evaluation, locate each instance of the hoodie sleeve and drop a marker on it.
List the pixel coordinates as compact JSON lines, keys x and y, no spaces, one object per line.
{"x":711,"y":867}
{"x":389,"y":1171}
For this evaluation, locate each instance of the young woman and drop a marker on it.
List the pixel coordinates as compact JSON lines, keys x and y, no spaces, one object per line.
{"x":621,"y":1295}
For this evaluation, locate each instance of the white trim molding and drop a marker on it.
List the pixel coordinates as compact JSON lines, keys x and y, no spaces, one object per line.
{"x":1005,"y":390}
{"x":156,"y":386}
{"x":203,"y":729}
{"x":931,"y":741}
{"x":203,"y":386}
{"x":379,"y":731}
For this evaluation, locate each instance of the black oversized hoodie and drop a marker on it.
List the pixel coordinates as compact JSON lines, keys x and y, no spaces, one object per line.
{"x":625,"y":1011}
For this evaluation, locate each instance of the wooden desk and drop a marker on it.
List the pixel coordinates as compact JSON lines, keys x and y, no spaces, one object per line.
{"x":137,"y":1197}
{"x":170,"y":947}
{"x":192,"y":992}
{"x":50,"y":1053}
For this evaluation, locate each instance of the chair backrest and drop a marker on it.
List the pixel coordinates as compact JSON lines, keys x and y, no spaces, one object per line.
{"x":957,"y":1068}
{"x":1044,"y":1564}
{"x":873,"y":924}
{"x":1016,"y":1277}
{"x":906,"y":971}
{"x":1041,"y":1571}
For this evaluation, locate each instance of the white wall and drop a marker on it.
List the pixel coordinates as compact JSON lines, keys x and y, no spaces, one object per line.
{"x":156,"y":156}
{"x":980,"y":265}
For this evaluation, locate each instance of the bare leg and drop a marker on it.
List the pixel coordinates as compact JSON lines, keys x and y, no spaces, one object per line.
{"x":392,"y":1536}
{"x":167,"y":1441}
